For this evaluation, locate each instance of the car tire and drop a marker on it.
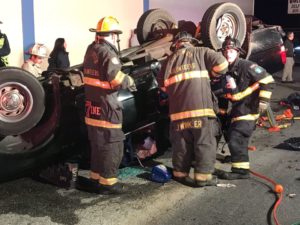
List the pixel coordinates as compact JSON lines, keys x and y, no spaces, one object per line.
{"x":21,"y":101}
{"x":153,"y":20}
{"x":227,"y":16}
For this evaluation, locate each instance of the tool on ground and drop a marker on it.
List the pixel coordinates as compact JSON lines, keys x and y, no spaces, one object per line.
{"x":274,"y":126}
{"x":273,"y":120}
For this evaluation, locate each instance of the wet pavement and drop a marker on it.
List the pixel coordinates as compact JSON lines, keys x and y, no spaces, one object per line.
{"x":249,"y":202}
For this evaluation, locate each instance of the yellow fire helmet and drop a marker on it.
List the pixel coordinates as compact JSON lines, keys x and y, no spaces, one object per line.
{"x":38,"y":50}
{"x":107,"y":25}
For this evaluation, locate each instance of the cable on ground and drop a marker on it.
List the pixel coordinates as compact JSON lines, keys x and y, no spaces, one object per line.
{"x":278,"y":190}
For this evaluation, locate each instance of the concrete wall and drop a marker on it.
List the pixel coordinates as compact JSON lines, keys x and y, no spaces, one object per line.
{"x":42,"y":21}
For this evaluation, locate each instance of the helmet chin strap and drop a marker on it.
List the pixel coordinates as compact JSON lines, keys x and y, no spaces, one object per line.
{"x":118,"y":43}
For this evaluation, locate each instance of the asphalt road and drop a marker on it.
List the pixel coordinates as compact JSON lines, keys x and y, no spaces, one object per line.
{"x":249,"y":202}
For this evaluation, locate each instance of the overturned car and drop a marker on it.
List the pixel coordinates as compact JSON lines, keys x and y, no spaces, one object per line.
{"x":42,"y":120}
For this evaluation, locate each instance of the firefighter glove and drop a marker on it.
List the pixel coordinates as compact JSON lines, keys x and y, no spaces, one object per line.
{"x":131,"y":84}
{"x":263,"y":106}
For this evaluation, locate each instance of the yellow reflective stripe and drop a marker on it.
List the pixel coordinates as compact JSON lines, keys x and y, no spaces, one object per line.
{"x":265,"y":94}
{"x":246,"y":92}
{"x":94,"y":175}
{"x":118,"y":79}
{"x":108,"y":181}
{"x":246,"y":117}
{"x":96,"y":83}
{"x":202,"y":176}
{"x":105,"y":84}
{"x":266,"y":80}
{"x":1,"y":42}
{"x":220,"y":67}
{"x":185,"y":76}
{"x":102,"y":123}
{"x":192,"y":113}
{"x":4,"y":60}
{"x":241,"y":95}
{"x":222,"y":111}
{"x":241,"y":165}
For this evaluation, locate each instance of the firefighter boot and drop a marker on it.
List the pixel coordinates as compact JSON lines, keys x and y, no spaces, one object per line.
{"x":202,"y":180}
{"x":117,"y":188}
{"x":235,"y":174}
{"x":187,"y":181}
{"x":183,"y":178}
{"x":87,"y":184}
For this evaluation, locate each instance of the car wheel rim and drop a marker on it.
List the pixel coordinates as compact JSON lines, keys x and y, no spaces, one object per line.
{"x":226,"y":26}
{"x":16,"y":102}
{"x":160,"y":25}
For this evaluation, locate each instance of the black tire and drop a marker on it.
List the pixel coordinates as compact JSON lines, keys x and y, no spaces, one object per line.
{"x":153,"y":20}
{"x":27,"y":96}
{"x":230,"y":17}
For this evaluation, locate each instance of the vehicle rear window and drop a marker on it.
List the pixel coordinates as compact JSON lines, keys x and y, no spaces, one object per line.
{"x":265,"y":39}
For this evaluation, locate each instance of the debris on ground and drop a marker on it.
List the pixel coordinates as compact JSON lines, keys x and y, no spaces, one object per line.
{"x":127,"y":172}
{"x":292,"y":195}
{"x":228,"y":185}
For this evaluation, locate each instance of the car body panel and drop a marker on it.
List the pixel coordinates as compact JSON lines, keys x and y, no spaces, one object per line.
{"x":297,"y":55}
{"x":266,"y":48}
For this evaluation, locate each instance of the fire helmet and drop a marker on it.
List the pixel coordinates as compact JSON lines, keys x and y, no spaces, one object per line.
{"x":38,"y":50}
{"x":232,"y":43}
{"x":107,"y":25}
{"x":160,"y":174}
{"x":184,"y":36}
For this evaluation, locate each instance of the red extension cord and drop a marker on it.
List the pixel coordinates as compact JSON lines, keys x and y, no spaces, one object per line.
{"x":278,"y":189}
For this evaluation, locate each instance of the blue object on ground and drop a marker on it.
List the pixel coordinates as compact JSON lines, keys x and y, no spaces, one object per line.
{"x":160,"y":174}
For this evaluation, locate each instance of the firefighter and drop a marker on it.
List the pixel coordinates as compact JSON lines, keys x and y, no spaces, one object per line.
{"x":186,"y":79}
{"x":250,"y":96}
{"x":4,"y":49}
{"x":37,"y":53}
{"x":103,"y":78}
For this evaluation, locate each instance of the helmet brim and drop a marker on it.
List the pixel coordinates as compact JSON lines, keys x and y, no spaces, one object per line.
{"x":105,"y":32}
{"x":240,"y":50}
{"x":44,"y":57}
{"x":193,"y":41}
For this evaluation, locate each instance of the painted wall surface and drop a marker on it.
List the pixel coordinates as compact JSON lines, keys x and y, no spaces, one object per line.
{"x":11,"y":16}
{"x":72,"y":19}
{"x":193,"y":10}
{"x":68,"y":19}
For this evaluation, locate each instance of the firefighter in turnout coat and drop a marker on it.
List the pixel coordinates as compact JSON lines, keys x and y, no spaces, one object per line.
{"x":249,"y":98}
{"x":192,"y":108}
{"x":103,"y":78}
